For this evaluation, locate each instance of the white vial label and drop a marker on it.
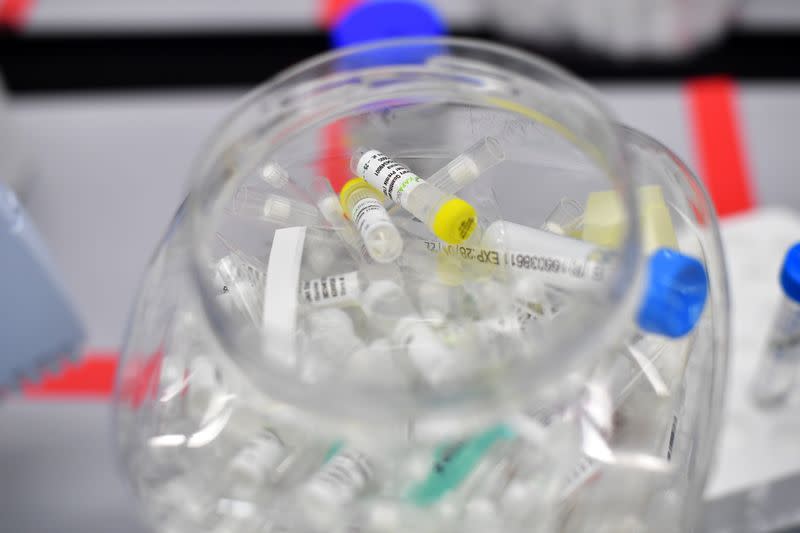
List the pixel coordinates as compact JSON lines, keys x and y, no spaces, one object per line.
{"x":262,"y":455}
{"x":394,"y":179}
{"x":331,"y":290}
{"x":592,"y":268}
{"x":368,"y":213}
{"x":342,"y":478}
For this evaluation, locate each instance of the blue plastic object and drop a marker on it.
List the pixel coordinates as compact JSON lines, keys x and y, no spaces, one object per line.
{"x":790,"y":273}
{"x":677,"y":288}
{"x":38,"y":326}
{"x":376,"y":20}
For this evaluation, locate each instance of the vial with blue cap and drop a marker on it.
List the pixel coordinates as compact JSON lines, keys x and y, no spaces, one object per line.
{"x":676,"y":286}
{"x":775,"y":378}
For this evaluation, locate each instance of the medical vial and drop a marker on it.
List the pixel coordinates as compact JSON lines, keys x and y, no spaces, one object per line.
{"x":675,"y":288}
{"x":241,"y":285}
{"x":449,"y":218}
{"x":776,"y":375}
{"x":343,"y":478}
{"x":331,"y":209}
{"x":468,"y":166}
{"x":258,"y":460}
{"x":364,"y":205}
{"x":566,"y":218}
{"x":275,"y":175}
{"x":331,"y":340}
{"x":252,"y":203}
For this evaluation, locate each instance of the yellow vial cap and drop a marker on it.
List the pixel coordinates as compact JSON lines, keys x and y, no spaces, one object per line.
{"x":455,"y":221}
{"x":353,"y":185}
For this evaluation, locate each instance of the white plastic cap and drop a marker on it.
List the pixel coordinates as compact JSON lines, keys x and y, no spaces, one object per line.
{"x":275,"y":175}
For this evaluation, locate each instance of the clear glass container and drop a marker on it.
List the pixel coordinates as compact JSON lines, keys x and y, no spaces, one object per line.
{"x":239,"y":408}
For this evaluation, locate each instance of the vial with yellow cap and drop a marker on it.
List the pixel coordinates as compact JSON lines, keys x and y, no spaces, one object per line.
{"x":450,"y":218}
{"x":363,"y":203}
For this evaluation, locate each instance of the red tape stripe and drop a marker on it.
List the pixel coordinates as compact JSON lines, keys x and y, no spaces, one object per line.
{"x":14,"y":13}
{"x":94,"y":377}
{"x":721,"y":153}
{"x":330,"y":11}
{"x":91,"y":377}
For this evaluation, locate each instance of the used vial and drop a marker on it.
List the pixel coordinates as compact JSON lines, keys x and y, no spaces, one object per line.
{"x":336,"y":291}
{"x":241,"y":285}
{"x":676,"y":285}
{"x":776,"y":375}
{"x":275,"y":175}
{"x":449,"y":218}
{"x":468,"y":166}
{"x":330,"y":207}
{"x":391,"y":311}
{"x":281,"y":210}
{"x":342,"y":479}
{"x":257,"y":461}
{"x":364,"y":205}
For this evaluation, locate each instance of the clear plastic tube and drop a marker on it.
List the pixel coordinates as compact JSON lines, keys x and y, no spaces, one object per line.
{"x":250,"y":202}
{"x":566,"y":218}
{"x":241,"y":283}
{"x":449,"y":218}
{"x":330,"y":207}
{"x":776,"y":375}
{"x":364,"y":204}
{"x":257,"y":460}
{"x":275,"y":175}
{"x":343,"y":478}
{"x":394,"y":314}
{"x":468,"y":166}
{"x":331,"y":340}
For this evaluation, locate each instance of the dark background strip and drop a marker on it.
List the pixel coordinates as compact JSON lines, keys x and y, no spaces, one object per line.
{"x":45,"y":63}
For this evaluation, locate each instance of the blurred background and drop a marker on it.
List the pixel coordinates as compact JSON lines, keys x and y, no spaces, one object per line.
{"x":106,"y":103}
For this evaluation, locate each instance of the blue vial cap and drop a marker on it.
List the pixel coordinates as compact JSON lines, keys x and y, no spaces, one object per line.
{"x":790,"y":273}
{"x":389,"y":19}
{"x":677,"y":287}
